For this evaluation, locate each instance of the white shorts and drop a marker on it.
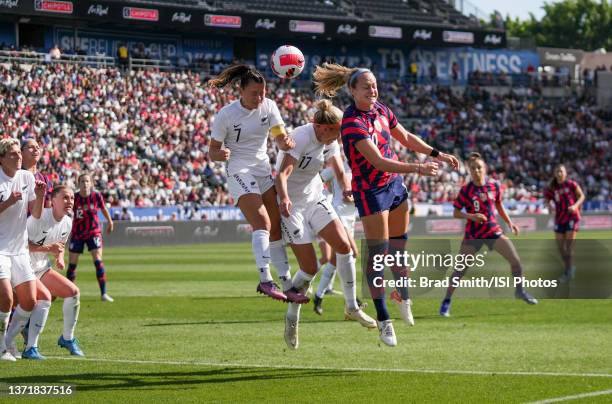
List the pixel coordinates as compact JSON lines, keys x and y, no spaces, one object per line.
{"x":346,"y":213}
{"x":17,"y":268}
{"x":305,"y":223}
{"x":244,"y":183}
{"x":42,"y":272}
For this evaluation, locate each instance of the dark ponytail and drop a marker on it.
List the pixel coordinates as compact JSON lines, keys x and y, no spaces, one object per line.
{"x":244,"y":73}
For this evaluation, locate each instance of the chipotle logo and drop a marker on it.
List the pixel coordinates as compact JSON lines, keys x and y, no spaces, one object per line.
{"x":54,"y":6}
{"x":142,"y":14}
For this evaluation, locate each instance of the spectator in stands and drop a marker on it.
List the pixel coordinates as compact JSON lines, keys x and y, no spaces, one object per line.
{"x":433,"y":72}
{"x":123,"y":55}
{"x":55,"y":53}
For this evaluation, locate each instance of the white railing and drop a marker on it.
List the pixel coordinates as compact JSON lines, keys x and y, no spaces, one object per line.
{"x":37,"y":57}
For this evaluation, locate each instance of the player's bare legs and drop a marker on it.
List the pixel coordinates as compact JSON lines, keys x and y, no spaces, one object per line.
{"x":6,"y":304}
{"x":565,"y":243}
{"x":278,"y":254}
{"x":398,"y":237}
{"x":256,"y":214}
{"x":62,"y":287}
{"x":505,"y":248}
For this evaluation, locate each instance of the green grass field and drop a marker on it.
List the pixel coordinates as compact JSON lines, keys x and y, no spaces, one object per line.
{"x":188,"y":326}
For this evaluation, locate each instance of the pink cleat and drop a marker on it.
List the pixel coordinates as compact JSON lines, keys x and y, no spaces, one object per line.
{"x":294,"y":296}
{"x":271,"y":289}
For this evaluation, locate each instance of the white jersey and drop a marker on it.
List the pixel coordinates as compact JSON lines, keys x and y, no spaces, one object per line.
{"x":304,"y":185}
{"x":245,"y":133}
{"x":329,"y":175}
{"x":47,"y":231}
{"x":13,"y":221}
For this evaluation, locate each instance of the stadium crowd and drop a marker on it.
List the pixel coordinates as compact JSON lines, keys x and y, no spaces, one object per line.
{"x":144,"y":134}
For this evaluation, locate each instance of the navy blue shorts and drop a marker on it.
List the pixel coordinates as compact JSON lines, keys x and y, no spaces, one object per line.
{"x":477,"y":243}
{"x":77,"y":246}
{"x":572,"y":225}
{"x":378,"y":200}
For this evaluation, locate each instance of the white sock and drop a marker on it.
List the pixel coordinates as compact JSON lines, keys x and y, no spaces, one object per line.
{"x":327,"y":272}
{"x":347,"y":272}
{"x":71,"y":315}
{"x":4,"y":320}
{"x":293,"y":311}
{"x":301,"y":280}
{"x":278,"y":256}
{"x":38,"y":319}
{"x":331,"y":281}
{"x":261,"y":250}
{"x":19,"y":320}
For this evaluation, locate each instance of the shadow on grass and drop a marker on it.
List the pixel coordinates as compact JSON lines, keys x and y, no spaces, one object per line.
{"x":217,"y":322}
{"x":96,"y":381}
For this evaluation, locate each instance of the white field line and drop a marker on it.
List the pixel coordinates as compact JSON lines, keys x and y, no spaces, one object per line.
{"x":574,"y":397}
{"x":347,"y":369}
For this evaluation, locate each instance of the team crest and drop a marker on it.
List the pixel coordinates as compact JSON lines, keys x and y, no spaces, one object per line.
{"x":483,"y":196}
{"x":377,"y":125}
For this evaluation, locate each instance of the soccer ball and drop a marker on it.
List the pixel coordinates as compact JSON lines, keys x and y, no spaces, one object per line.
{"x":287,"y":62}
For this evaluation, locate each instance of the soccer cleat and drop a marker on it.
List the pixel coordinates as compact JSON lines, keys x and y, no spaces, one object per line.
{"x":361,"y":305}
{"x":32,"y":353}
{"x":12,"y":349}
{"x":361,"y":317}
{"x":387,"y":333}
{"x":333,"y":292}
{"x":106,"y":298}
{"x":71,"y":345}
{"x":317,"y":305}
{"x":294,"y":296}
{"x":568,"y":275}
{"x":405,"y":307}
{"x":445,"y":308}
{"x":526,"y":297}
{"x":291,"y":333}
{"x":7,"y":356}
{"x":271,"y":289}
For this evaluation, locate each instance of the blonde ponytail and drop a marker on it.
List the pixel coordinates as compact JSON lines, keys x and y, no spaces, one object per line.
{"x":330,"y":77}
{"x":327,"y":113}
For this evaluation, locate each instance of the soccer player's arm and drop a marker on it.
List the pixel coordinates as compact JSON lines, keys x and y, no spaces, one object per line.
{"x":280,"y":182}
{"x":414,"y":142}
{"x":580,"y":195}
{"x":217,"y":138}
{"x":277,"y":128}
{"x":110,"y":226}
{"x":371,"y":153}
{"x":338,"y":167}
{"x":548,"y":200}
{"x":36,"y":192}
{"x":502,"y":211}
{"x":459,"y":204}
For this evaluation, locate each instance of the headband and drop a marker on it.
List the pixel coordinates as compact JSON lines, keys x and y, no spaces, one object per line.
{"x":355,"y":75}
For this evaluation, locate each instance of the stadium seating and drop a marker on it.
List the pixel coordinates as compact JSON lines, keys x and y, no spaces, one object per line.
{"x":144,"y":134}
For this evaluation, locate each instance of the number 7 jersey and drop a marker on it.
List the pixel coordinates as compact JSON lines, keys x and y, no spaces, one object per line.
{"x":245,"y":133}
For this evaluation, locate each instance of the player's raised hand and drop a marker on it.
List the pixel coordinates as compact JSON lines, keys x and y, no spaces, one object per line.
{"x":14,"y":197}
{"x":285,"y":207}
{"x":478,"y":218}
{"x":449,"y":159}
{"x":347,"y":196}
{"x":56,"y":249}
{"x":110,"y":227}
{"x":429,"y":169}
{"x":285,"y":142}
{"x":40,"y":189}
